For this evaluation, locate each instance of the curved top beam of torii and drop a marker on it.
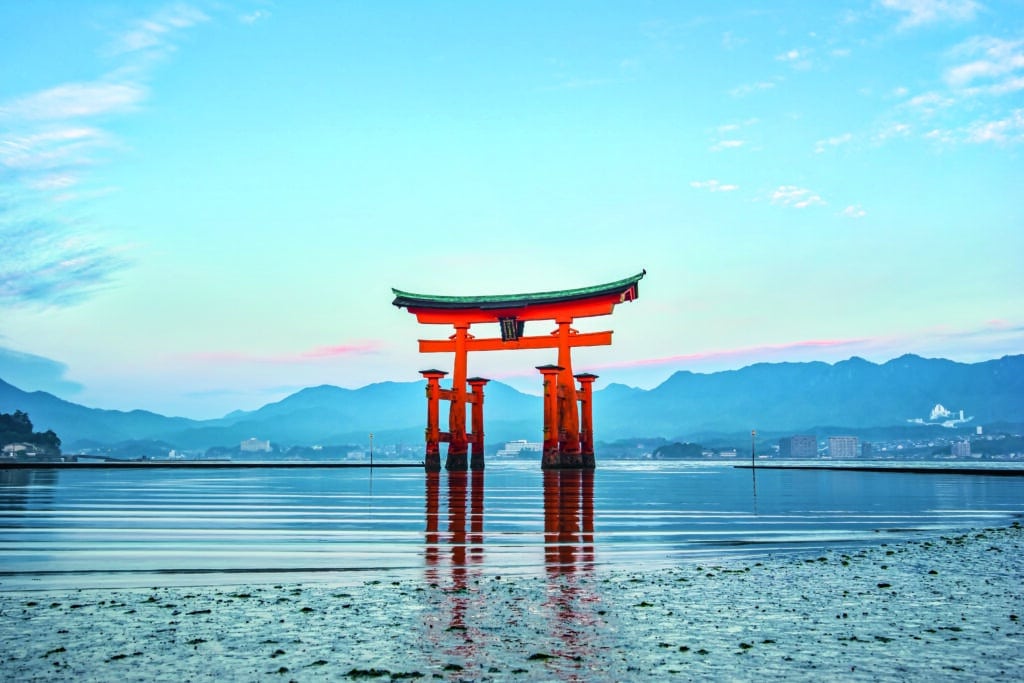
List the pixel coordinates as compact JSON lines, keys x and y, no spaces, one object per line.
{"x":576,"y":303}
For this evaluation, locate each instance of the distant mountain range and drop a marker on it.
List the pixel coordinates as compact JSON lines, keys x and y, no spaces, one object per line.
{"x":778,"y":397}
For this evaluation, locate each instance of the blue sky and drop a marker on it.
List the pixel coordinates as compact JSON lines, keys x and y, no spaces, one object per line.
{"x":203,"y":206}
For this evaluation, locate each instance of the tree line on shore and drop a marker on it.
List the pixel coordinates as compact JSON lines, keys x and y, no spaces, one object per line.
{"x":17,"y":436}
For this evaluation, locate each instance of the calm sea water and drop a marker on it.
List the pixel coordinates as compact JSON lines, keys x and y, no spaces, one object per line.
{"x":187,"y":526}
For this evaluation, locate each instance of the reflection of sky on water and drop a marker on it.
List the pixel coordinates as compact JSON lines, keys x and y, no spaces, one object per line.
{"x":198,"y":526}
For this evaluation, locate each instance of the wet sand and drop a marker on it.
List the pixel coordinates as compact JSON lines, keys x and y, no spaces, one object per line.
{"x":944,"y":608}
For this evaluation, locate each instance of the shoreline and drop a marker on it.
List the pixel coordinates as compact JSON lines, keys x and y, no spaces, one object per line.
{"x":203,"y":464}
{"x":907,"y":469}
{"x":945,"y":606}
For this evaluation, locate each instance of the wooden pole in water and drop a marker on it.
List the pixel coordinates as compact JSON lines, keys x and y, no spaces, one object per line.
{"x":753,"y":465}
{"x":753,"y":435}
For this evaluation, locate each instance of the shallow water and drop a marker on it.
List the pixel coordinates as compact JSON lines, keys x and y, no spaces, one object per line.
{"x":181,"y":526}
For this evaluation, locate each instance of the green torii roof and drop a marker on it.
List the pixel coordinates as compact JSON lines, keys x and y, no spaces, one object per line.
{"x":410,"y":300}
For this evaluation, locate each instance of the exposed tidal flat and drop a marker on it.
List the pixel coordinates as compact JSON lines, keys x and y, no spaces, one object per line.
{"x":639,"y":571}
{"x":946,"y":607}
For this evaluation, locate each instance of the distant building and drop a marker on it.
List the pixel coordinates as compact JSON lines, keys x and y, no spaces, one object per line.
{"x":960,"y":449}
{"x":800,"y":446}
{"x":254,"y":445}
{"x":842,"y":446}
{"x":867,"y":449}
{"x":514,"y":448}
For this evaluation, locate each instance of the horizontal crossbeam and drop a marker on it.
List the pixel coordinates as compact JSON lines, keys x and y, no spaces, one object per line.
{"x":548,"y":342}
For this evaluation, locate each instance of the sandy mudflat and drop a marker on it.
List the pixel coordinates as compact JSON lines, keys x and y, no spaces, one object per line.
{"x":946,"y":608}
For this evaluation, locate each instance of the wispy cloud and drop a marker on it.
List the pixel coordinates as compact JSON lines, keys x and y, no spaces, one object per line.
{"x":713,"y":186}
{"x":994,"y":66}
{"x":727,"y":144}
{"x":930,"y":102}
{"x":796,"y":58}
{"x":156,"y":31}
{"x":318,"y":353}
{"x":922,"y":12}
{"x":1006,"y":130}
{"x":854,"y":211}
{"x":898,"y":129}
{"x":52,"y":142}
{"x":795,"y":197}
{"x":73,"y":101}
{"x":727,"y":136}
{"x":836,"y":141}
{"x":253,"y":17}
{"x":751,"y":88}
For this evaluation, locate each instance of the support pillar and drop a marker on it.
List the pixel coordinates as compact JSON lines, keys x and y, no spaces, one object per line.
{"x":458,"y":445}
{"x":432,"y":458}
{"x":476,"y":398}
{"x":568,"y":418}
{"x":586,"y":396}
{"x":550,"y":459}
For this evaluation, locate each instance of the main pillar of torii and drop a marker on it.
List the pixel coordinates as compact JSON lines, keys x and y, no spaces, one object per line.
{"x":568,"y":424}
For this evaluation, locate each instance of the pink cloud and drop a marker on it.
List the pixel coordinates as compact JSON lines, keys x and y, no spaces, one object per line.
{"x":750,"y":351}
{"x":359,"y":348}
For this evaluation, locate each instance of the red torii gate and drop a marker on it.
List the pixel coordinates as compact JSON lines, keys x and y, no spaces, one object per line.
{"x":568,"y":434}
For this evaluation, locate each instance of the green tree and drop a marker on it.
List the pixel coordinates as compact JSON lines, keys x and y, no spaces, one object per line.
{"x":16,"y":427}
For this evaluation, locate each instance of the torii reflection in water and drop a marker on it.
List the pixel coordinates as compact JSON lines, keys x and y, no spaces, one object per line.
{"x":461,"y":623}
{"x":465,"y":559}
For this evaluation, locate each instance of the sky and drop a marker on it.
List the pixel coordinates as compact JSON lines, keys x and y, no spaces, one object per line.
{"x":204,"y":205}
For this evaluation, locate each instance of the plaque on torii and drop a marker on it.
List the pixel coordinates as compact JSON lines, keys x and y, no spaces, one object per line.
{"x":568,"y":416}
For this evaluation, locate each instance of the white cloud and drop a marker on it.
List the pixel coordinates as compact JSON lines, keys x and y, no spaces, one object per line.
{"x":798,"y":59}
{"x":854,"y":211}
{"x":1007,"y":130}
{"x":74,"y":100}
{"x":996,"y":66}
{"x":727,"y":144}
{"x":941,"y":135}
{"x":153,"y":32}
{"x":49,"y":144}
{"x":835,"y":141}
{"x":795,"y":197}
{"x":713,"y":186}
{"x":49,"y":148}
{"x":750,"y":88}
{"x":895,"y":130}
{"x":930,"y":102}
{"x":921,"y":12}
{"x":253,"y":17}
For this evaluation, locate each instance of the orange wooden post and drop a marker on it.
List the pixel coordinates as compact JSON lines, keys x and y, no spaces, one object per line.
{"x":476,"y":397}
{"x":568,"y":418}
{"x":458,"y":445}
{"x":432,"y":458}
{"x":586,"y":396}
{"x":550,"y":459}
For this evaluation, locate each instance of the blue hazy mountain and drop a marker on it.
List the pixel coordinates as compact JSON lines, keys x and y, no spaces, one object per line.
{"x":794,"y":397}
{"x":853,"y":393}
